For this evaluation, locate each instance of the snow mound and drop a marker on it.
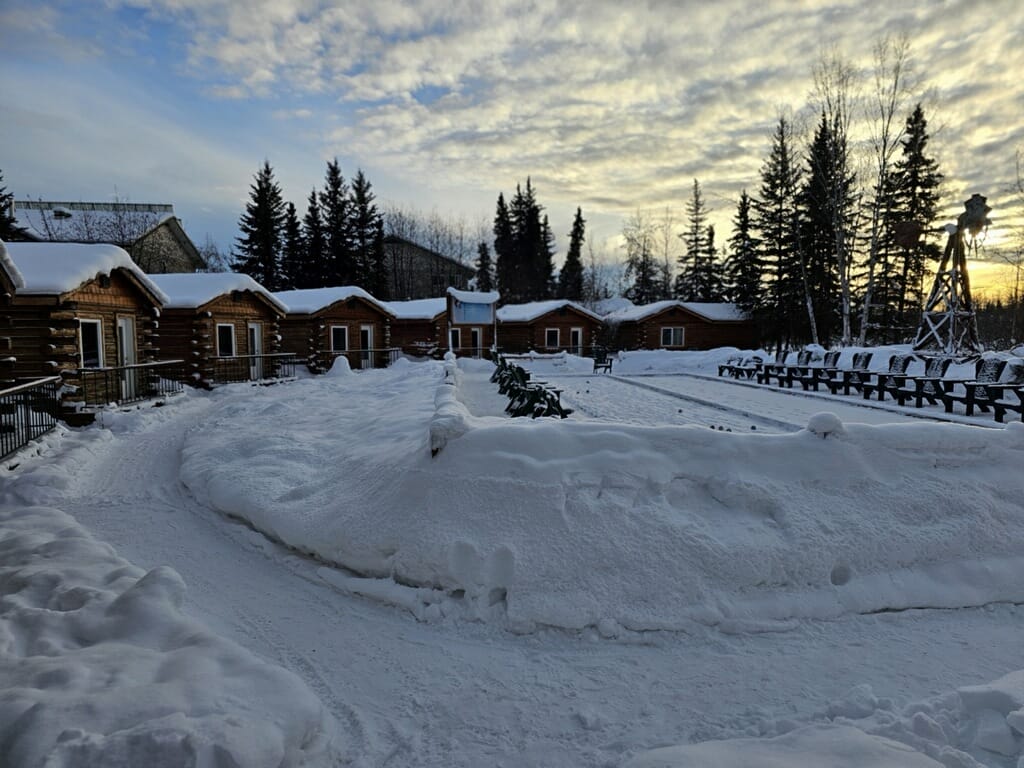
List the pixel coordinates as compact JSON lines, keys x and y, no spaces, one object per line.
{"x":578,"y":523}
{"x":340,"y":367}
{"x":815,"y":746}
{"x":100,"y":669}
{"x":825,"y":425}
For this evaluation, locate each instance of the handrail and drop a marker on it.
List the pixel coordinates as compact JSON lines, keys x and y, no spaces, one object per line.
{"x":130,"y":383}
{"x":27,"y":411}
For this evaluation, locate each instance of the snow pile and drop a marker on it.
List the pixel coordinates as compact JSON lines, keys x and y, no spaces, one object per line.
{"x":978,"y":725}
{"x":620,"y":527}
{"x":551,"y":364}
{"x":100,"y":669}
{"x":451,"y":418}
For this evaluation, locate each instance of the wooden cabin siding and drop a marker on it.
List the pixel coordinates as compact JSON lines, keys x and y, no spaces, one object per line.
{"x":698,"y":332}
{"x":415,"y":336}
{"x":309,"y":336}
{"x":518,"y":337}
{"x":44,"y":329}
{"x":191,"y":334}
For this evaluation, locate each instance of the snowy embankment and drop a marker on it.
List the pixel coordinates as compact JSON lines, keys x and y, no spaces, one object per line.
{"x":99,"y":668}
{"x":622,"y":528}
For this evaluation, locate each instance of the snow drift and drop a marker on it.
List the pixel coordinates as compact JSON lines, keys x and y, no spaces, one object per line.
{"x":624,"y":528}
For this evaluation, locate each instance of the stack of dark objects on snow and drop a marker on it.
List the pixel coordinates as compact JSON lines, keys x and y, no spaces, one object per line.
{"x":527,"y":398}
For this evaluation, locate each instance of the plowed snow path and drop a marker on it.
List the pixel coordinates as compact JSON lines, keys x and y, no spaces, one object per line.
{"x":459,"y":694}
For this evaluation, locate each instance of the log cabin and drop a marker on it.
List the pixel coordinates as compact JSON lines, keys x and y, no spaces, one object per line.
{"x":323,"y":324}
{"x":558,"y":325}
{"x":471,"y":322}
{"x":81,"y":311}
{"x":419,"y":325}
{"x":10,"y":280}
{"x":678,"y":325}
{"x":224,"y":325}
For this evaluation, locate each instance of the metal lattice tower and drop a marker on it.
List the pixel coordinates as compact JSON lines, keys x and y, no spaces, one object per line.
{"x":949,"y":323}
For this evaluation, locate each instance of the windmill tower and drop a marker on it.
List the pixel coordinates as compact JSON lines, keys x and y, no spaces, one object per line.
{"x":948,"y":323}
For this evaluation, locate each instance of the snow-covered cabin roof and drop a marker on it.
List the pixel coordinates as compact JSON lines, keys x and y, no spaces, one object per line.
{"x":525,"y":313}
{"x":418,"y":309}
{"x":56,"y":268}
{"x":191,"y":290}
{"x":309,"y":300}
{"x":712,"y":311}
{"x":474,"y":297}
{"x":7,"y":265}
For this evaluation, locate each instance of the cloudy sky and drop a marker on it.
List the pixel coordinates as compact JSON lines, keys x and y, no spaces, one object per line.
{"x":443,"y":103}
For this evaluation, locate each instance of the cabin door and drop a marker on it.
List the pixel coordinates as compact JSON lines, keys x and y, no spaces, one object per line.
{"x":366,"y":346}
{"x":126,"y":357}
{"x":576,"y":341}
{"x":475,"y":338}
{"x":255,"y":351}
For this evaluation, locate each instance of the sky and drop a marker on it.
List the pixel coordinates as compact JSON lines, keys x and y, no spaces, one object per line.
{"x":446,"y":103}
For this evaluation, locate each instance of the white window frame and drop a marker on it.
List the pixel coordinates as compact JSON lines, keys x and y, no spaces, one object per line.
{"x":478,"y":347}
{"x":671,"y":330}
{"x":98,"y":323}
{"x":339,"y":328}
{"x":220,"y":353}
{"x":558,"y":338}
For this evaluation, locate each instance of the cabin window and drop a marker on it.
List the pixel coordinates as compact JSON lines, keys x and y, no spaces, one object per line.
{"x":90,"y":335}
{"x":551,"y":338}
{"x":339,"y":338}
{"x":671,"y":337}
{"x":225,"y":340}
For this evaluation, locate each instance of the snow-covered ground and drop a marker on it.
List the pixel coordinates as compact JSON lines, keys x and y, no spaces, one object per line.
{"x":537,"y":593}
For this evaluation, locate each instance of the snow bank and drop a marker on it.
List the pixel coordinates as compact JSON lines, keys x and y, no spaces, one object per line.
{"x":99,"y":667}
{"x":974,"y":726}
{"x":623,"y":528}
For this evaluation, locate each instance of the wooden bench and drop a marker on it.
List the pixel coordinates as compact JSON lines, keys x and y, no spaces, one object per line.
{"x":1001,"y":404}
{"x":889,"y":380}
{"x":769,"y":370}
{"x":977,"y":392}
{"x":852,"y":377}
{"x":729,"y":365}
{"x":927,"y":386}
{"x":813,"y":375}
{"x":792,"y":371}
{"x":603,"y":360}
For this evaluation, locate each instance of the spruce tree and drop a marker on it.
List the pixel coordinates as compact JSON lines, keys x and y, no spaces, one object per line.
{"x":690,"y":279}
{"x":775,"y":217}
{"x":293,"y":254}
{"x":506,"y":270}
{"x":710,"y":279}
{"x":365,"y":221}
{"x":337,"y":227}
{"x":570,"y":279}
{"x":314,"y":270}
{"x":9,"y":229}
{"x":544,"y":261}
{"x":916,"y":182}
{"x":258,"y":250}
{"x":744,"y":268}
{"x":484,"y":269}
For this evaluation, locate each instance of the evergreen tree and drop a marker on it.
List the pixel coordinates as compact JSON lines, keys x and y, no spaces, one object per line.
{"x":544,"y":260}
{"x":570,"y":279}
{"x":826,"y":206}
{"x":484,"y":269}
{"x":337,"y":217}
{"x":710,"y":278}
{"x":257,"y":251}
{"x":380,"y":285}
{"x":313,"y":273}
{"x":743,"y":270}
{"x":690,"y":278}
{"x":367,"y":248}
{"x":506,"y":270}
{"x":293,"y":257}
{"x":775,"y":216}
{"x":9,"y":229}
{"x":915,"y":203}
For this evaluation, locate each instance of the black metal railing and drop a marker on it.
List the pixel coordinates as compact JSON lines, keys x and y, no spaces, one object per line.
{"x":274,"y":365}
{"x":28,"y":410}
{"x":125,"y":384}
